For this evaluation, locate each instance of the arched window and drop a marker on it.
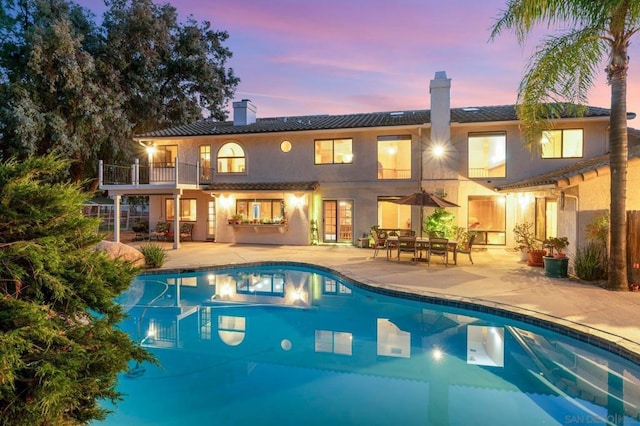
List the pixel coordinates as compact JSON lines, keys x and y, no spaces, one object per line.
{"x":231,"y":158}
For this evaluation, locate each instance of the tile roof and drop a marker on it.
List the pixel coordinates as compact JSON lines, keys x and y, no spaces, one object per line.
{"x":347,"y":121}
{"x":562,"y":176}
{"x":263,"y":186}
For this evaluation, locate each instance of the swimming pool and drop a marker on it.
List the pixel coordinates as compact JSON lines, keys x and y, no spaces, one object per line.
{"x":293,"y":345}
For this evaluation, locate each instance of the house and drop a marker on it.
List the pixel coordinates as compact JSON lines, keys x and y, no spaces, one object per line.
{"x":328,"y":178}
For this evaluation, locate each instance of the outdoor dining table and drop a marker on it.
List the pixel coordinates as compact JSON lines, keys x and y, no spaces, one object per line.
{"x":422,"y":243}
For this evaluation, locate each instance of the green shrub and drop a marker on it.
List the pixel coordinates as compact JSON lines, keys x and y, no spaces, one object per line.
{"x":154,"y":255}
{"x":590,"y":262}
{"x":439,"y":222}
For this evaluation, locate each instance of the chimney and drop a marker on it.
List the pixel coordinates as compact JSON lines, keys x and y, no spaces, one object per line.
{"x":440,"y":90}
{"x":442,"y":167}
{"x":244,"y":112}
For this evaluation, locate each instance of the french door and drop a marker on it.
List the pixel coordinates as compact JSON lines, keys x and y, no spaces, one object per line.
{"x":337,"y":217}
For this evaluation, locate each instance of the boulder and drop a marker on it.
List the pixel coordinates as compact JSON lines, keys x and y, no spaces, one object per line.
{"x":122,"y":251}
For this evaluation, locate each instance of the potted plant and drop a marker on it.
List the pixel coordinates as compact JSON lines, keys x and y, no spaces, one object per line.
{"x":526,"y":242}
{"x":556,"y":264}
{"x":557,"y":244}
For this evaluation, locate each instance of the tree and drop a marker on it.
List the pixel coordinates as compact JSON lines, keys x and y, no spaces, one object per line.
{"x":54,"y":99}
{"x":83,"y":91}
{"x":60,"y":349}
{"x":169,"y":72}
{"x":564,"y":68}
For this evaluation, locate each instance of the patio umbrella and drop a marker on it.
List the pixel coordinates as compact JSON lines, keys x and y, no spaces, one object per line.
{"x":425,"y":199}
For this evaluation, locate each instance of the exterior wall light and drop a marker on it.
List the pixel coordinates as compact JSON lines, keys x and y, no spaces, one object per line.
{"x":438,"y":151}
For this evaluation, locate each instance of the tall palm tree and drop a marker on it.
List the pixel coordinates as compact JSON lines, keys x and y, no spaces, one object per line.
{"x":563,"y":69}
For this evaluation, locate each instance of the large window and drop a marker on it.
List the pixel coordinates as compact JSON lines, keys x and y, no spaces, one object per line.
{"x":562,"y":143}
{"x":333,"y":151}
{"x":393,"y":215}
{"x":265,"y":211}
{"x":487,"y":217}
{"x":165,"y":156}
{"x":394,"y":157}
{"x":487,"y":155}
{"x":187,"y":209}
{"x":231,"y":158}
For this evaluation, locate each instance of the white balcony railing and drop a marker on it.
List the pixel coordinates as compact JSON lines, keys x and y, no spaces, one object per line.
{"x":155,"y":173}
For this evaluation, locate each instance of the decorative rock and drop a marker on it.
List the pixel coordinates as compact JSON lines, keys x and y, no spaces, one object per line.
{"x":122,"y":251}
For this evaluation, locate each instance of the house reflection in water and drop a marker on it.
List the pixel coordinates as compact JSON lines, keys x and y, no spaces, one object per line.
{"x":268,"y":316}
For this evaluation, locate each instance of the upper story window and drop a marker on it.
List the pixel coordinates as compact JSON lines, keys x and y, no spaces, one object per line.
{"x":165,"y":155}
{"x":333,"y":151}
{"x":231,"y":158}
{"x":487,"y":155}
{"x":394,"y":157}
{"x":205,"y":162}
{"x":565,"y":143}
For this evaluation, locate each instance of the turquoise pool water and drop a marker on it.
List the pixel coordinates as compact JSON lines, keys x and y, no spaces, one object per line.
{"x":291,"y":345}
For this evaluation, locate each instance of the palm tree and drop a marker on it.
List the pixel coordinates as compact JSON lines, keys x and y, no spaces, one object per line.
{"x":561,"y":72}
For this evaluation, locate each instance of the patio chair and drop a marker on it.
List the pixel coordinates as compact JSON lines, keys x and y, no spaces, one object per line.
{"x":161,"y":232}
{"x":378,"y":242}
{"x":466,"y":249}
{"x":407,"y":245}
{"x":186,"y":230}
{"x":438,"y":247}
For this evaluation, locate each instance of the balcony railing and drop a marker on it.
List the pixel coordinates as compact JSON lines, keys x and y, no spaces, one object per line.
{"x":155,"y":173}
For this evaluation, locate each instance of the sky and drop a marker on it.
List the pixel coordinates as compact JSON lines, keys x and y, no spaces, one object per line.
{"x":304,"y":57}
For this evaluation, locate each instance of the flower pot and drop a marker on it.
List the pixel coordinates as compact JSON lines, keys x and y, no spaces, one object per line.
{"x":535,"y":257}
{"x":556,"y":267}
{"x":524,"y":256}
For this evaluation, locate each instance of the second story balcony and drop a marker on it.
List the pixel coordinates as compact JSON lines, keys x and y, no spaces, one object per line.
{"x":153,"y":175}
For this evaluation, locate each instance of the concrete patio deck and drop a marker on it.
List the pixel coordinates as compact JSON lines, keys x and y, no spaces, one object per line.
{"x":498,"y":279}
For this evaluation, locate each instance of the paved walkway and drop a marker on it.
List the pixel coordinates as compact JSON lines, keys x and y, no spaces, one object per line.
{"x":498,"y":279}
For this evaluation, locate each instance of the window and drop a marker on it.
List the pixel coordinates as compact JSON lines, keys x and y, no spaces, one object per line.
{"x":285,"y":146}
{"x":487,"y":155}
{"x":562,"y":143}
{"x":165,"y":156}
{"x":393,"y":215}
{"x":231,"y":158}
{"x":487,"y":218}
{"x":394,"y":157}
{"x":187,"y":209}
{"x":205,"y":162}
{"x":264,"y":211}
{"x":333,"y":151}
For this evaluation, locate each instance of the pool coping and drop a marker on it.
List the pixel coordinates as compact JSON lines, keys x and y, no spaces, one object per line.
{"x":610,"y":342}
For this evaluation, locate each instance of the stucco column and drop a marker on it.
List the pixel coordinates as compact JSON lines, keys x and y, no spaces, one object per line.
{"x":116,"y":219}
{"x":176,"y":221}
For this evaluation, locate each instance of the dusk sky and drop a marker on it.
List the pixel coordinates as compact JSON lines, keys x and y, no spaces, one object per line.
{"x":299,"y":57}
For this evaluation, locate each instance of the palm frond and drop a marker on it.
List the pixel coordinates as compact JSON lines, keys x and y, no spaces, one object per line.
{"x":559,"y":74}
